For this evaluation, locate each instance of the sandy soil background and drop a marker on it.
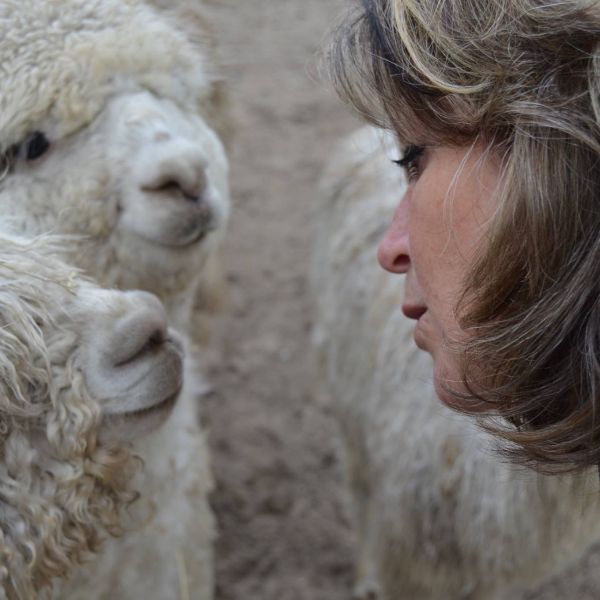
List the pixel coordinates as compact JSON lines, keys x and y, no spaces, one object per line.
{"x":283,"y":530}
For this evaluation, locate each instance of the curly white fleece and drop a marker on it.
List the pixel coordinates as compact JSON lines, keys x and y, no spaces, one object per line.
{"x":61,"y":491}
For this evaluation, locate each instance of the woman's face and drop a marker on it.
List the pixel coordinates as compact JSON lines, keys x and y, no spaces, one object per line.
{"x":437,"y":232}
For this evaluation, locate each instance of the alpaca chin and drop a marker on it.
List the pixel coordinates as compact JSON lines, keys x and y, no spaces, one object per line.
{"x":131,"y":426}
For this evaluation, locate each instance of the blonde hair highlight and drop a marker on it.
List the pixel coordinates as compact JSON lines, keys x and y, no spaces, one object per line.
{"x":523,"y":77}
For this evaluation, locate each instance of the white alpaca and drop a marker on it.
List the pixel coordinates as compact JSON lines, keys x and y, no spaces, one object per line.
{"x":105,"y":133}
{"x":438,"y":515}
{"x":83,"y":371}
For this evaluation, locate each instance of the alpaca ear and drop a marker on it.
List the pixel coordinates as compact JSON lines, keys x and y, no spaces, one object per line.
{"x":190,"y":17}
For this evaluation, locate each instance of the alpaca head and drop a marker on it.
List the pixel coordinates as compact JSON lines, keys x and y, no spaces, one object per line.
{"x":102,"y":135}
{"x":82,"y":372}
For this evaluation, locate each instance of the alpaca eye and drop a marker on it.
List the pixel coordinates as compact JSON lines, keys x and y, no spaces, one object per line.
{"x":36,"y":145}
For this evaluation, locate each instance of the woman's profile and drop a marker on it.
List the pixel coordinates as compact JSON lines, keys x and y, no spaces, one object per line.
{"x":496,"y":107}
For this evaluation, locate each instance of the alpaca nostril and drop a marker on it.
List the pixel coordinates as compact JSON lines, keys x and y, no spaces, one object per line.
{"x":140,"y":334}
{"x":173,"y":188}
{"x":140,"y":346}
{"x":188,"y":185}
{"x":169,"y":186}
{"x":155,"y":341}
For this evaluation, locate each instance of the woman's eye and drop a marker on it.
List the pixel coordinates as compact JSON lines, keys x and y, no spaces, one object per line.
{"x":36,"y":145}
{"x":410,"y":161}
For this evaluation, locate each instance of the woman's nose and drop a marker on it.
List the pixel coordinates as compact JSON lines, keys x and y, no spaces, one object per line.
{"x":393,"y":254}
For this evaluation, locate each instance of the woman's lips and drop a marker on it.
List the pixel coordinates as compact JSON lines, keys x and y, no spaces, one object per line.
{"x":413,"y":311}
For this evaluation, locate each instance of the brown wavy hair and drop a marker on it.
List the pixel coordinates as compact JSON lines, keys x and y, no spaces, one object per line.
{"x":523,"y":77}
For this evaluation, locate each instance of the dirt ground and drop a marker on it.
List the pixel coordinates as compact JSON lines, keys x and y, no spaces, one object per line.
{"x":283,"y":533}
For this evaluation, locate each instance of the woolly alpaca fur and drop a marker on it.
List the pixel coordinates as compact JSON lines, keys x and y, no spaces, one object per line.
{"x":61,"y":492}
{"x":121,"y":94}
{"x":126,"y":97}
{"x":438,"y":515}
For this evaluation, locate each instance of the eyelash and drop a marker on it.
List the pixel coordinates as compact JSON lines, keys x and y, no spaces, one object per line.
{"x":410,"y":161}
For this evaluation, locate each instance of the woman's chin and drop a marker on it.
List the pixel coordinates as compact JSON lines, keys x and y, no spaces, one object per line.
{"x":420,"y":337}
{"x":447,"y":383}
{"x":447,"y":398}
{"x":447,"y":380}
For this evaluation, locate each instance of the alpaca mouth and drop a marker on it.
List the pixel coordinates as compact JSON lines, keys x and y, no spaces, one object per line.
{"x":129,"y":426}
{"x":162,"y":406}
{"x":190,"y":238}
{"x":183,"y":238}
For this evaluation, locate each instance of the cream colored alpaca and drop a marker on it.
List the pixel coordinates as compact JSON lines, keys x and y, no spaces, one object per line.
{"x":106,"y":133}
{"x":439,"y":516}
{"x":103,"y":135}
{"x":83,"y":372}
